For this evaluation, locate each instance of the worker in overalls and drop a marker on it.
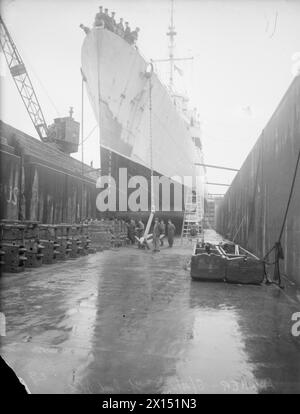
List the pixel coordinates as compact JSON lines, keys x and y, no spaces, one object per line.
{"x":156,"y":234}
{"x":162,"y":232}
{"x":132,"y":231}
{"x":171,"y":233}
{"x":140,"y":229}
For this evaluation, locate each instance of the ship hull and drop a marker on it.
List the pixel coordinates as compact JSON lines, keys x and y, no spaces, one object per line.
{"x":139,"y":123}
{"x":113,"y":164}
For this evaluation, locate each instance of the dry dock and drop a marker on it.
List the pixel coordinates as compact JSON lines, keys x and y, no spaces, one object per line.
{"x":253,"y":209}
{"x":131,"y":321}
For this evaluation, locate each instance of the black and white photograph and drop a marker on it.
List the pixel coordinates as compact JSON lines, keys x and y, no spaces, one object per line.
{"x":149,"y":200}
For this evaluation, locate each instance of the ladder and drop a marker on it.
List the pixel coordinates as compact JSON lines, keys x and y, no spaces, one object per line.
{"x":192,"y":219}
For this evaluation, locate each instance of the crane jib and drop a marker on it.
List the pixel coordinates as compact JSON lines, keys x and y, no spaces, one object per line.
{"x":64,"y":132}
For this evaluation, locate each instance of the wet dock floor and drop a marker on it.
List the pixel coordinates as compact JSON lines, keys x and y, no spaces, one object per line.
{"x":132,"y":321}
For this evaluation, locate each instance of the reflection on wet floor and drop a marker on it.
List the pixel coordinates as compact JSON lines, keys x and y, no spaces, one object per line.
{"x":215,"y":360}
{"x":131,"y":321}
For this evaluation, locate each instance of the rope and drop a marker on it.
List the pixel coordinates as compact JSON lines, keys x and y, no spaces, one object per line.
{"x":35,"y":75}
{"x":290,"y":197}
{"x":238,"y":230}
{"x":277,"y":246}
{"x":89,"y":135}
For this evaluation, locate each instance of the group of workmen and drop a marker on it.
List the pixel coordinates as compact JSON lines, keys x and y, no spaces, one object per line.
{"x":159,"y":232}
{"x":106,"y":21}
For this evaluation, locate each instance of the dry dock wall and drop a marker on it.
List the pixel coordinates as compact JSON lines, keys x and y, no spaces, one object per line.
{"x":252,"y":210}
{"x":40,"y":183}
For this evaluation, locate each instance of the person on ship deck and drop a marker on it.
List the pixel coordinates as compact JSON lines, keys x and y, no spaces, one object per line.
{"x":99,"y":18}
{"x":127,"y":31}
{"x":103,"y":20}
{"x":85,"y":28}
{"x":107,"y":20}
{"x":134,"y":35}
{"x":120,"y":28}
{"x":113,"y":22}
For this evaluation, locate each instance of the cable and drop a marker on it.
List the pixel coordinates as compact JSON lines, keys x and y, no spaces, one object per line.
{"x":89,"y":135}
{"x":290,"y":196}
{"x":277,"y":246}
{"x":34,"y":73}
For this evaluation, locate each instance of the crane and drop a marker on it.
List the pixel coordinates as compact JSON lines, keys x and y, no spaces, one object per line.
{"x":65,"y":131}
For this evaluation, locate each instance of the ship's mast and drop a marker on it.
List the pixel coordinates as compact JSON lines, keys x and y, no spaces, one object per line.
{"x":171,"y":33}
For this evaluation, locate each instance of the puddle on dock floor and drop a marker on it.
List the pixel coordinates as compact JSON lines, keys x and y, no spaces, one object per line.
{"x":132,"y":321}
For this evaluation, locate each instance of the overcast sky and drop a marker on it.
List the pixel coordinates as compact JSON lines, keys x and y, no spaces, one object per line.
{"x":242,"y":63}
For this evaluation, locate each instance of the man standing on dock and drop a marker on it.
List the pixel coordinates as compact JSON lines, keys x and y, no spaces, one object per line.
{"x":156,"y":234}
{"x":171,"y":233}
{"x":140,"y":229}
{"x":162,"y":232}
{"x":131,"y":231}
